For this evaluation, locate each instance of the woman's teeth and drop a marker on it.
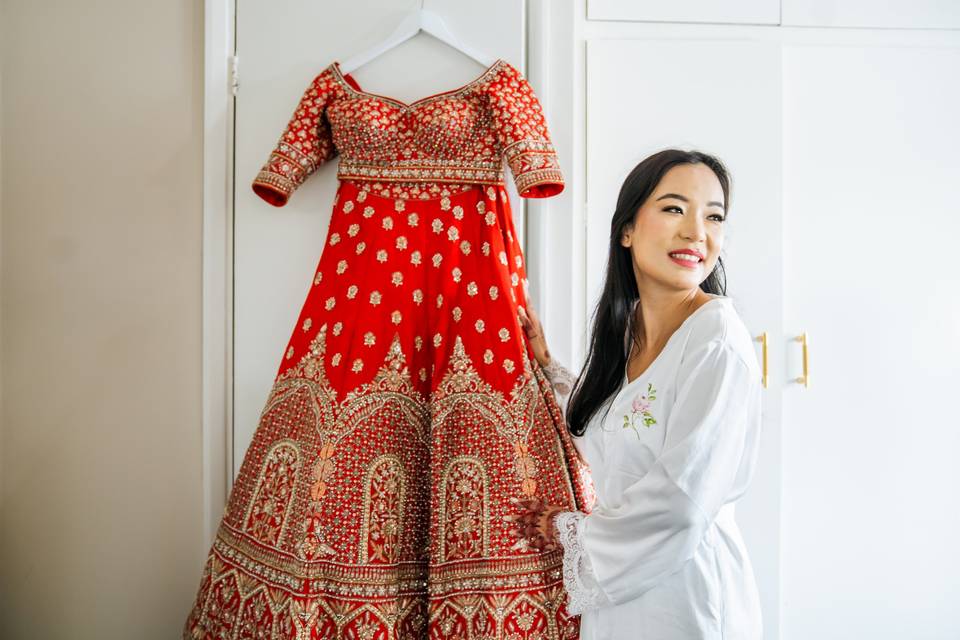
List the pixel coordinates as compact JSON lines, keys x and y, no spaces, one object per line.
{"x":685,"y":256}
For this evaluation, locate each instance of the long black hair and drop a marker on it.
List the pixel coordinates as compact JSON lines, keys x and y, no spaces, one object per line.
{"x":603,"y":371}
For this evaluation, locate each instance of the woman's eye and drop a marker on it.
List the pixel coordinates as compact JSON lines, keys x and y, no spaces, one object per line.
{"x":677,"y":209}
{"x":718,"y":217}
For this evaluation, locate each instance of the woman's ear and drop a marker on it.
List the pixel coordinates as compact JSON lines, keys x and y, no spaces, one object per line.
{"x":625,"y":236}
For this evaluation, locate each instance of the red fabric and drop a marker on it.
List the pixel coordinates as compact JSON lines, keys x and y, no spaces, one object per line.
{"x":406,"y":412}
{"x":457,"y":137}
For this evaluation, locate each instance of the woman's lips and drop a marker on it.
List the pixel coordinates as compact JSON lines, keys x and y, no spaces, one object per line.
{"x":685,"y":263}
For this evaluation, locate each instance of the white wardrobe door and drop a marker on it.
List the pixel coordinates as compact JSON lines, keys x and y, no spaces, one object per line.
{"x":721,"y":97}
{"x":871,"y":498}
{"x":891,"y":14}
{"x":281,"y":49}
{"x":740,"y":12}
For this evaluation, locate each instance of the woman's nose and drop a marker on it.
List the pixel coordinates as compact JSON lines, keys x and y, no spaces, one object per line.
{"x":693,"y":227}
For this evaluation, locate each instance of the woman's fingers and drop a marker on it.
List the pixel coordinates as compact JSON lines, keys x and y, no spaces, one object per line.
{"x":534,"y":537}
{"x":531,"y":521}
{"x":534,"y":331}
{"x":533,"y":318}
{"x":527,"y":504}
{"x":529,"y":320}
{"x":529,"y":328}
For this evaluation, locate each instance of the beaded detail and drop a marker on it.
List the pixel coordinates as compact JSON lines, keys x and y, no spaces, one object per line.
{"x":455,"y":138}
{"x":405,"y":415}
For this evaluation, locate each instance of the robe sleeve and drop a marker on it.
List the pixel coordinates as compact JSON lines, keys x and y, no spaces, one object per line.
{"x":561,"y":380}
{"x":618,"y":552}
{"x":304,"y":145}
{"x":522,"y":134}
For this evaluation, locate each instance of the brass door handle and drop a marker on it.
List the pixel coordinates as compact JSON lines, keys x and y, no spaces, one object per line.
{"x":805,"y":378}
{"x":762,"y":338}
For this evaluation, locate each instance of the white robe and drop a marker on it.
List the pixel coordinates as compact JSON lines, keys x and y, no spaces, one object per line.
{"x":660,"y":556}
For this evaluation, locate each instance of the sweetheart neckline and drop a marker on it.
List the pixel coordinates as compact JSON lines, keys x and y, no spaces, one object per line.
{"x":355,"y":87}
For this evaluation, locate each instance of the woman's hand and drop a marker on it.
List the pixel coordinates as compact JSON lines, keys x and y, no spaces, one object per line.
{"x":534,"y":330}
{"x":535,"y":523}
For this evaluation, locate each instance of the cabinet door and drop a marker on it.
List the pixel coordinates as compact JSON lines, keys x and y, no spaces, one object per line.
{"x":890,"y":14}
{"x":674,"y":96}
{"x":281,"y":49}
{"x":740,"y":12}
{"x":871,"y":488}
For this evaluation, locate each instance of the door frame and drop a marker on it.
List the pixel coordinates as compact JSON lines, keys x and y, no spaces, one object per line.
{"x":217,"y":304}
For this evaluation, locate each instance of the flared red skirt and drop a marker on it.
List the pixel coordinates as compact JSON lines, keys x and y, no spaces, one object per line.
{"x":406,"y":413}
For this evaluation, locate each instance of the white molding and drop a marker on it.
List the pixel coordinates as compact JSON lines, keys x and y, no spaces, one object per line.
{"x":787,"y":35}
{"x":217,"y":258}
{"x":536,"y":70}
{"x":556,"y":249}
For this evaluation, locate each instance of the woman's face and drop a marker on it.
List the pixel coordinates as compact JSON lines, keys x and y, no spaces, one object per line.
{"x":684,"y":213}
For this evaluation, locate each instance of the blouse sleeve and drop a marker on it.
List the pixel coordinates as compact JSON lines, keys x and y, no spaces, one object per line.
{"x":522,"y":134}
{"x":304,"y":145}
{"x":618,"y":552}
{"x":561,"y":380}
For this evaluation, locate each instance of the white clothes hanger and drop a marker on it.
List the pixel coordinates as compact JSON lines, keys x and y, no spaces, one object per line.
{"x":415,"y":22}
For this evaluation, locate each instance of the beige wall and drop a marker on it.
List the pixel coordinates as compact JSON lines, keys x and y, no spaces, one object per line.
{"x":100,"y":223}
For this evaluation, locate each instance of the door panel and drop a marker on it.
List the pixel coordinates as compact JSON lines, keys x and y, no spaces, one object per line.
{"x":741,"y":12}
{"x":674,"y":97}
{"x":276,"y":251}
{"x":890,"y":14}
{"x":871,"y":488}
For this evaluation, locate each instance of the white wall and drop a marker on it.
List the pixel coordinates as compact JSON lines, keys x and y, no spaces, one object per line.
{"x":100,"y":241}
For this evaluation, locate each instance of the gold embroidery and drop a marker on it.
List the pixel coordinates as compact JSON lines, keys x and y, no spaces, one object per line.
{"x":526,"y":467}
{"x":267,"y":512}
{"x":383,"y":496}
{"x":464,"y":510}
{"x":442,"y":145}
{"x":370,"y":547}
{"x":471,"y":585}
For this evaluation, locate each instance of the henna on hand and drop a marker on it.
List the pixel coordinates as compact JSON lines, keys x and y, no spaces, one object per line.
{"x":534,"y":331}
{"x":535,"y":523}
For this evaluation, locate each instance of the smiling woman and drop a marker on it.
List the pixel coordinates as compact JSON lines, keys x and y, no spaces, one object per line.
{"x":667,"y":411}
{"x":674,"y":202}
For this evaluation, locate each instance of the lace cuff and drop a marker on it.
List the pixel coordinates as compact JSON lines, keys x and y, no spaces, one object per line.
{"x":562,"y":381}
{"x":578,"y":577}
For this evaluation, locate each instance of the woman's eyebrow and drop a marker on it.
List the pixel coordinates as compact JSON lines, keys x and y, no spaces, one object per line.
{"x":712,"y":203}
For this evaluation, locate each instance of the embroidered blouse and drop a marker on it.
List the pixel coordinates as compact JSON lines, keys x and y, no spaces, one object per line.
{"x":660,"y":554}
{"x":459,"y":137}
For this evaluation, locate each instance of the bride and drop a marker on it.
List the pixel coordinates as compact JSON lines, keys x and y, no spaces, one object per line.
{"x":667,"y":414}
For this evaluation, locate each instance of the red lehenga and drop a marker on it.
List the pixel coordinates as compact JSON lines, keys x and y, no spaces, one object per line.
{"x":408,"y":409}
